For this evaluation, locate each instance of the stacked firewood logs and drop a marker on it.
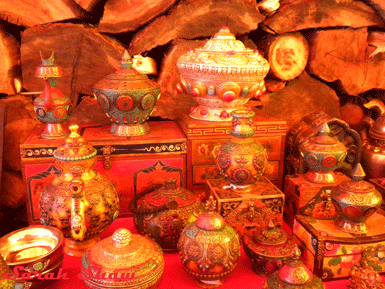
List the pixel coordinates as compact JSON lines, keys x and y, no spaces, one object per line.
{"x":318,"y":51}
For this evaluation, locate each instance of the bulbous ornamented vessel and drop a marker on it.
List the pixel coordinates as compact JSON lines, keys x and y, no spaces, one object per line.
{"x":241,"y":160}
{"x":209,"y":248}
{"x":79,"y":201}
{"x":323,"y":154}
{"x":355,"y":201}
{"x":128,"y":261}
{"x":164,"y":213}
{"x":128,"y":98}
{"x":221,"y":76}
{"x":51,"y":106}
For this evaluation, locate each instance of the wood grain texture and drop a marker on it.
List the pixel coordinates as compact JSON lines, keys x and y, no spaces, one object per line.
{"x":9,"y":62}
{"x":305,"y":14}
{"x":342,"y":55}
{"x":85,"y":55}
{"x":300,"y":97}
{"x":127,"y":15}
{"x":30,"y":13}
{"x":197,"y":18}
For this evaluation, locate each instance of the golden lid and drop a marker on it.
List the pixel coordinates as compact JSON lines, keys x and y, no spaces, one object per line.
{"x":210,"y":220}
{"x":74,"y":147}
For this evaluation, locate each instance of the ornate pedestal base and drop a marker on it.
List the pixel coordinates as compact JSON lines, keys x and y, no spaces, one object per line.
{"x":130,"y":130}
{"x":78,"y":248}
{"x":53,"y":131}
{"x":209,"y":284}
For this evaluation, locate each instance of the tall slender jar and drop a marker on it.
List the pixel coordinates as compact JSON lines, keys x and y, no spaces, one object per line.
{"x":80,"y":201}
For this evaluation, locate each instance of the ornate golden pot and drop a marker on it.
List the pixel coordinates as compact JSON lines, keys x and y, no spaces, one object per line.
{"x":164,"y":213}
{"x":221,"y":76}
{"x":123,"y":260}
{"x":241,"y":160}
{"x":209,"y":248}
{"x":80,"y":201}
{"x":355,"y":201}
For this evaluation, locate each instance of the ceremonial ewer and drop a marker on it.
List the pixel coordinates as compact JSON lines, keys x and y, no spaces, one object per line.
{"x":209,"y":248}
{"x":268,"y":247}
{"x":323,"y":154}
{"x":128,"y":98}
{"x":123,"y":260}
{"x":221,"y":76}
{"x":164,"y":213}
{"x":79,"y":201}
{"x":355,"y":200}
{"x":293,"y":275}
{"x":241,"y":160}
{"x":51,"y":106}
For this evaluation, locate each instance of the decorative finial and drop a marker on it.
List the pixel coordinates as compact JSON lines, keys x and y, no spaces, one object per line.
{"x":358,"y":173}
{"x":211,"y":204}
{"x":74,"y":131}
{"x":324,"y":130}
{"x":296,"y":253}
{"x":121,"y":237}
{"x":126,"y":61}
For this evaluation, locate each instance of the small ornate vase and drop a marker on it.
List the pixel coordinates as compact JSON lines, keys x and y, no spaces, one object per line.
{"x":165,"y":212}
{"x":355,"y":202}
{"x":323,"y":154}
{"x":293,"y":275}
{"x":221,"y":76}
{"x":128,"y":98}
{"x":269,"y":248}
{"x":241,"y":160}
{"x":209,"y":248}
{"x":80,"y":201}
{"x":52,"y":106}
{"x":124,"y":260}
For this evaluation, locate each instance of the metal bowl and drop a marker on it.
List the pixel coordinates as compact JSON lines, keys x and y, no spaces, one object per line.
{"x":32,"y":251}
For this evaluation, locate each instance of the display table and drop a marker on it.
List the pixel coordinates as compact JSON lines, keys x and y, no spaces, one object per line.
{"x":174,"y":276}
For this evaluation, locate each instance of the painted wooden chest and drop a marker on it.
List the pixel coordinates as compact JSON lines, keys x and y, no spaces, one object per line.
{"x":330,"y":252}
{"x":309,"y":199}
{"x":203,"y":137}
{"x":254,"y":208}
{"x":131,"y":163}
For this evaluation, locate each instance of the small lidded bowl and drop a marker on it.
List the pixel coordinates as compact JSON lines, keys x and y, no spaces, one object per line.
{"x":269,"y":248}
{"x":34,"y":248}
{"x":123,"y":260}
{"x":293,"y":275}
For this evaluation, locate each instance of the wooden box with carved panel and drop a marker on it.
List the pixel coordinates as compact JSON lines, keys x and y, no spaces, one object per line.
{"x":131,"y":163}
{"x":203,"y":137}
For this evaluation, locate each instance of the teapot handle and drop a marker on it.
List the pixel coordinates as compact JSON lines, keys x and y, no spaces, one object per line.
{"x":366,"y":124}
{"x":144,"y":211}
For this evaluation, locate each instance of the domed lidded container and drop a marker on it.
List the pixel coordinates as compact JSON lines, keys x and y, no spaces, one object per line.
{"x":241,"y":160}
{"x":125,"y":260}
{"x":293,"y":275}
{"x":80,"y":201}
{"x":355,"y":201}
{"x":128,"y":98}
{"x":165,"y":212}
{"x":209,"y":248}
{"x":323,"y":154}
{"x":51,"y":106}
{"x":221,"y":76}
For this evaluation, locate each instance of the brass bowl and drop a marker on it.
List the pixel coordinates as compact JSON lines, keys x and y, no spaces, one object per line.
{"x":35,"y":248}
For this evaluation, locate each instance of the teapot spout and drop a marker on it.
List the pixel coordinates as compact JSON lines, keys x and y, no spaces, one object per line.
{"x":376,"y":103}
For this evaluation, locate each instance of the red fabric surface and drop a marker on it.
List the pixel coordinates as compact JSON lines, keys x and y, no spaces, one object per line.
{"x":174,"y":276}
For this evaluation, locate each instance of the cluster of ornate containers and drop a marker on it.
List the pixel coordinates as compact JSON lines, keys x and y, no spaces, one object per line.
{"x":221,"y":76}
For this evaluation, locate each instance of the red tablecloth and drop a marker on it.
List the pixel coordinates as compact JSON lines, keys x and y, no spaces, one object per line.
{"x":174,"y":276}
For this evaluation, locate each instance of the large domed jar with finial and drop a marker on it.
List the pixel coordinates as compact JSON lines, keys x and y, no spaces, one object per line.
{"x":221,"y":76}
{"x":80,"y":201}
{"x":209,"y":248}
{"x":355,"y":201}
{"x":51,"y":106}
{"x":126,"y":260}
{"x":128,"y":98}
{"x":323,"y":154}
{"x":242,"y":160}
{"x":163,"y":213}
{"x":293,"y":275}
